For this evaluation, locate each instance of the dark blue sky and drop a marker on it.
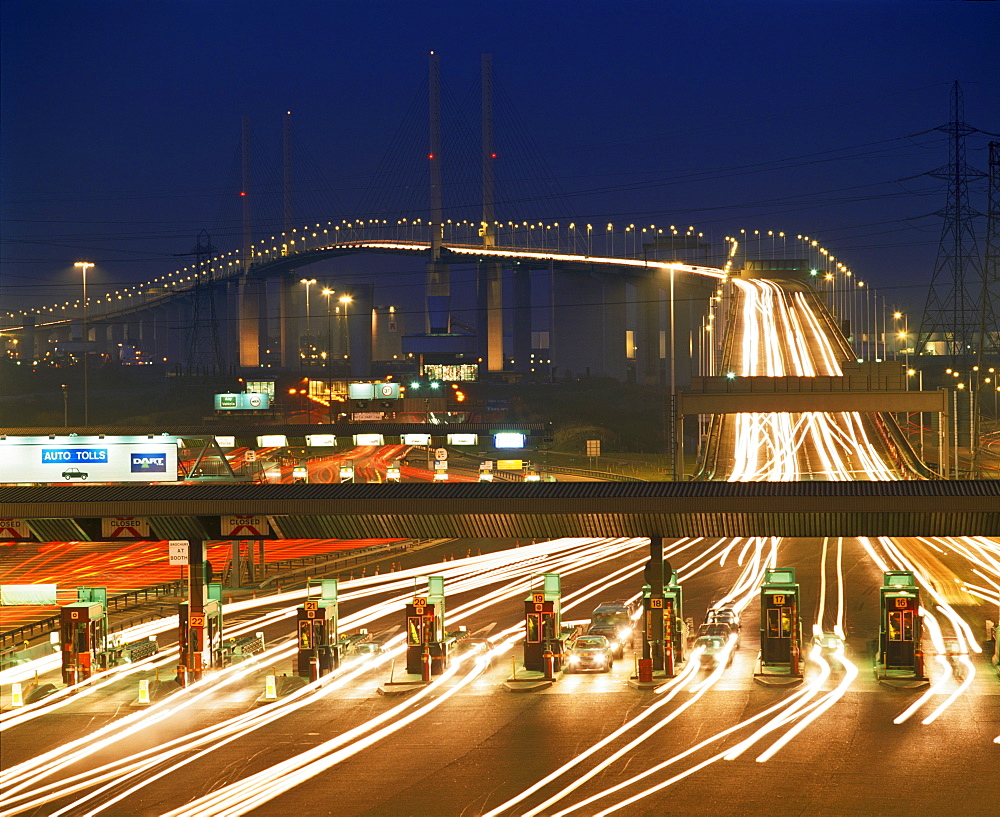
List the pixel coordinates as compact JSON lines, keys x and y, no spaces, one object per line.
{"x":121,"y":121}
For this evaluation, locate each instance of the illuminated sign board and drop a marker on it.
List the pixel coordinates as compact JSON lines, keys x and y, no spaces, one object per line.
{"x":416,"y":439}
{"x":250,"y":401}
{"x":360,"y":391}
{"x":321,"y":440}
{"x":508,"y":439}
{"x":373,"y":391}
{"x":272,"y":441}
{"x":369,"y":439}
{"x":510,"y":465}
{"x":225,"y":442}
{"x":89,"y":459}
{"x":463,"y":439}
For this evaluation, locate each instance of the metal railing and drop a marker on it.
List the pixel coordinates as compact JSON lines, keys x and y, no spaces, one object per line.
{"x":121,"y":601}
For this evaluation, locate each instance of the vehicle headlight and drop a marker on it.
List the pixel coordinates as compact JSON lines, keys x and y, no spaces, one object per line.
{"x":574,"y":659}
{"x":614,"y":645}
{"x":626,"y":633}
{"x":603,"y":656}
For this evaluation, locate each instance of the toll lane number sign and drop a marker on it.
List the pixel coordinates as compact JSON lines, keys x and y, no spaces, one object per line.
{"x":197,"y":620}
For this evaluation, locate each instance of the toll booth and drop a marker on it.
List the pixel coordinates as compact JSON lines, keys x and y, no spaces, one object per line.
{"x":319,"y":652}
{"x":900,"y":626}
{"x":425,"y":638}
{"x":543,"y":624}
{"x":663,"y":622}
{"x":780,"y":629}
{"x":83,"y":628}
{"x":200,"y":633}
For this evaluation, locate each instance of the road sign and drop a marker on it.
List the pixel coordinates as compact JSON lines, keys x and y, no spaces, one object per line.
{"x":196,"y":620}
{"x":14,"y":529}
{"x":420,"y":601}
{"x":250,"y":525}
{"x":125,"y":527}
{"x":311,"y":604}
{"x":441,"y":465}
{"x":441,"y":453}
{"x":178,"y":550}
{"x":593,"y":448}
{"x":510,"y":465}
{"x":538,"y":598}
{"x":250,"y":456}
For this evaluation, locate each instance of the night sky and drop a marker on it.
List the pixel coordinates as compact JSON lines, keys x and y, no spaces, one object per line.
{"x":121,"y":122}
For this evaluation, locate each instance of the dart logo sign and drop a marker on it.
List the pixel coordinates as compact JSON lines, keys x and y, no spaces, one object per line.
{"x":149,"y":463}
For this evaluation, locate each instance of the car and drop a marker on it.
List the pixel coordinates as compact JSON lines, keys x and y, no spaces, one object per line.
{"x":724,"y":615}
{"x":74,"y":473}
{"x":615,"y":636}
{"x":590,"y":652}
{"x":714,"y":648}
{"x":615,"y":620}
{"x":720,"y":629}
{"x":828,"y":642}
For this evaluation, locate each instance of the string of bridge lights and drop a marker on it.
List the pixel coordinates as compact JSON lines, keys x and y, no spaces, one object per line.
{"x":522,"y":234}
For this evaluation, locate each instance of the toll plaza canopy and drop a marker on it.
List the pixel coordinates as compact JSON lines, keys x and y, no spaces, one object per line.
{"x":511,"y":510}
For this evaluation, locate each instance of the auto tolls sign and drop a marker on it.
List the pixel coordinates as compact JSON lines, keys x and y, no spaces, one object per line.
{"x":78,"y":459}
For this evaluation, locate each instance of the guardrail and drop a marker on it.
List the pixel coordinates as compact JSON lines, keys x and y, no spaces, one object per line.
{"x":336,"y":563}
{"x":120,"y":601}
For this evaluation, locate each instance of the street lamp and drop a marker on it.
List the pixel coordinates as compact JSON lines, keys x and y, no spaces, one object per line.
{"x":84,"y":266}
{"x":329,"y":351}
{"x":308,"y":282}
{"x":345,"y":300}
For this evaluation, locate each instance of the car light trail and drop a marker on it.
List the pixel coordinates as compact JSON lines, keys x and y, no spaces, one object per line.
{"x":580,"y":554}
{"x":747,"y":584}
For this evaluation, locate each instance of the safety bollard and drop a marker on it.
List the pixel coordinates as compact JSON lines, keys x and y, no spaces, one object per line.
{"x":550,"y":665}
{"x":918,"y":665}
{"x":182,"y":675}
{"x":144,"y":692}
{"x":426,"y":666}
{"x":314,"y":669}
{"x":270,"y":688}
{"x":668,"y":659}
{"x":795,"y":658}
{"x":16,"y":698}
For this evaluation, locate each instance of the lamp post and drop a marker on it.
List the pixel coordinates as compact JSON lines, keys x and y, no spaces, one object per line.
{"x":65,"y":391}
{"x":308,"y":283}
{"x":84,"y":266}
{"x":329,"y":352}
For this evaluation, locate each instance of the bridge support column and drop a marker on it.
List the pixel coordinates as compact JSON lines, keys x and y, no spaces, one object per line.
{"x":100,"y":333}
{"x":648,"y":346}
{"x":360,"y":328}
{"x":489,"y":317}
{"x":26,"y":351}
{"x":588,"y":337}
{"x":249,"y":296}
{"x":522,"y":318}
{"x":288,"y":319}
{"x":438,"y":298}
